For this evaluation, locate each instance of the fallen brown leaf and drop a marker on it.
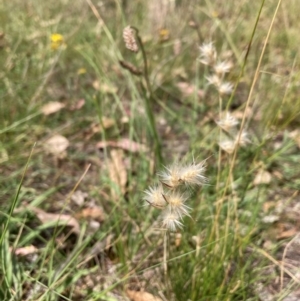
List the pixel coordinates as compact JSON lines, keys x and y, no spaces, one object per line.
{"x":141,"y":296}
{"x":52,"y":107}
{"x":24,"y":251}
{"x":268,"y":205}
{"x":78,"y":197}
{"x":60,"y":219}
{"x":78,"y":105}
{"x":262,"y":177}
{"x":287,"y":233}
{"x":98,"y":128}
{"x":95,"y":213}
{"x":125,"y":144}
{"x":57,"y":146}
{"x":117,"y":171}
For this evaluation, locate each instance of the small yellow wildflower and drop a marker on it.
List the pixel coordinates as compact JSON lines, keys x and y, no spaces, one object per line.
{"x":164,"y":34}
{"x":81,"y":71}
{"x":57,"y":40}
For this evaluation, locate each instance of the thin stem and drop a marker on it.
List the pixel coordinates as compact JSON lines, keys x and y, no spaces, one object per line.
{"x":229,"y":178}
{"x":165,"y":253}
{"x":256,"y":75}
{"x":98,"y":103}
{"x":148,"y":98}
{"x":246,"y":56}
{"x":219,"y":169}
{"x":220,"y":134}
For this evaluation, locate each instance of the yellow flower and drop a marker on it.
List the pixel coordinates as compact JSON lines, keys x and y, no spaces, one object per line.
{"x":81,"y":71}
{"x":57,"y":40}
{"x":164,"y":34}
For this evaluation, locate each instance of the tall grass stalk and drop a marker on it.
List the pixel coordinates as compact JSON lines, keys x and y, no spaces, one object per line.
{"x":149,"y":99}
{"x":233,"y":157}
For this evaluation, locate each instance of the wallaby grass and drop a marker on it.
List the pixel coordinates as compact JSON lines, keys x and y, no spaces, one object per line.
{"x":216,"y":256}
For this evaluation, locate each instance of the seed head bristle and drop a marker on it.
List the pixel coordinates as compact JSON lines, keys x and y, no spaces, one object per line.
{"x":129,"y":39}
{"x":171,"y":176}
{"x":227,"y":122}
{"x":208,"y":54}
{"x":222,"y":67}
{"x":154,"y":196}
{"x":243,"y":139}
{"x":193,"y":174}
{"x":176,"y":202}
{"x":171,"y":221}
{"x":228,"y":146}
{"x":225,"y":88}
{"x":214,"y":80}
{"x":175,"y":175}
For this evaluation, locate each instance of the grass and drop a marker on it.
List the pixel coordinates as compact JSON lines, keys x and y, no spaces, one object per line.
{"x":74,"y":225}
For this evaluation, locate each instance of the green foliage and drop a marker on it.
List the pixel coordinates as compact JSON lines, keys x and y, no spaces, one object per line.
{"x":170,"y":112}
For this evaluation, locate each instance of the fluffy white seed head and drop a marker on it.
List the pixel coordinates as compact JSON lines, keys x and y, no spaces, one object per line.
{"x":171,"y":221}
{"x":227,"y":122}
{"x":228,"y":146}
{"x":176,"y":175}
{"x":193,"y":174}
{"x":243,"y":139}
{"x":225,"y":88}
{"x":171,"y":176}
{"x":154,"y":196}
{"x":214,"y":80}
{"x":176,"y":203}
{"x":222,"y":67}
{"x":208,"y":54}
{"x":222,"y":87}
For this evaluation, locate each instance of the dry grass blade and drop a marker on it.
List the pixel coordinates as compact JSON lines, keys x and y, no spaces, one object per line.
{"x":52,"y":107}
{"x":95,"y":213}
{"x":125,"y":144}
{"x":62,"y":219}
{"x":24,"y":251}
{"x":277,"y":263}
{"x":117,"y":171}
{"x":57,"y":146}
{"x":141,"y":296}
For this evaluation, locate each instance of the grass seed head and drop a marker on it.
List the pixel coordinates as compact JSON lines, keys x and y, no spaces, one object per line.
{"x":222,"y":67}
{"x":208,"y":54}
{"x":227,"y":122}
{"x":154,"y":196}
{"x":129,"y":39}
{"x":173,"y":196}
{"x":171,"y":176}
{"x":190,"y":175}
{"x":176,"y":203}
{"x":225,"y":88}
{"x":227,"y":145}
{"x":171,"y":221}
{"x":214,"y":80}
{"x":193,"y":174}
{"x":243,"y":139}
